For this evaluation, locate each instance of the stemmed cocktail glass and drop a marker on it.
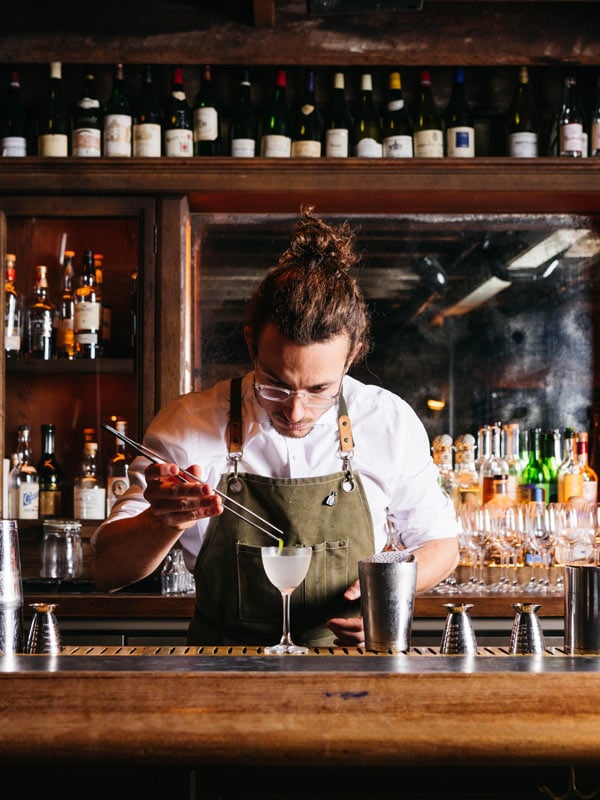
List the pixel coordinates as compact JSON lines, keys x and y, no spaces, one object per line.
{"x":286,"y":568}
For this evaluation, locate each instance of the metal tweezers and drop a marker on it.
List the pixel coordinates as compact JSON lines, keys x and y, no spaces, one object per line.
{"x":185,"y":476}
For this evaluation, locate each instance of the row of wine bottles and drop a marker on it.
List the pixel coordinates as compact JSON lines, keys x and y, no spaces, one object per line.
{"x":122,"y":128}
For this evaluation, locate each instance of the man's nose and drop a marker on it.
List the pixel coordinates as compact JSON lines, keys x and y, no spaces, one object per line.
{"x":294,"y":408}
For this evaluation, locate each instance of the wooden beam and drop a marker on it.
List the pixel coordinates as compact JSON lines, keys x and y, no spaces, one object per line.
{"x":264,"y":13}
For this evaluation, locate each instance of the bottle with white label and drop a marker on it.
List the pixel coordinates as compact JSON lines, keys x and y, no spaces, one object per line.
{"x":24,"y":480}
{"x":308,"y":126}
{"x":89,"y":494}
{"x":117,"y":471}
{"x":460,"y":127}
{"x":87,"y":122}
{"x":571,"y":122}
{"x":117,"y":119}
{"x":243,"y":130}
{"x":396,"y":124}
{"x":366,"y":134}
{"x":207,"y":118}
{"x":14,"y":311}
{"x":53,"y":120}
{"x":428,"y":133}
{"x":276,"y":139}
{"x":339,"y":121}
{"x":13,"y":133}
{"x":179,"y":126}
{"x":522,"y":121}
{"x":87,"y":321}
{"x":147,"y":122}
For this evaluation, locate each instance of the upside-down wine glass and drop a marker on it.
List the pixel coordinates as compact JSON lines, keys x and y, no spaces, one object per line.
{"x":286,"y":568}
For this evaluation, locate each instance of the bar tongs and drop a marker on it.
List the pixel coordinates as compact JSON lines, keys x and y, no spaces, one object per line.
{"x":184,"y":476}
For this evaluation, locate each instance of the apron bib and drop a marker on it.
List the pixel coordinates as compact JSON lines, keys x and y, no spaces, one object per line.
{"x":235,"y":602}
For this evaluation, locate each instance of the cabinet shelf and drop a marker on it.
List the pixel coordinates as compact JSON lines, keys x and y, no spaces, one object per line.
{"x":103,"y":366}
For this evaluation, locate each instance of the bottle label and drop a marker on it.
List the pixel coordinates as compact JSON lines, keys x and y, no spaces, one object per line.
{"x":595,"y":138}
{"x":53,"y":144}
{"x":13,"y":146}
{"x":25,"y":501}
{"x":12,"y":342}
{"x":275,"y":146}
{"x":306,"y":149}
{"x":572,"y":486}
{"x":590,"y":492}
{"x":461,"y":142}
{"x":429,"y":143}
{"x":117,"y":135}
{"x":50,"y":503}
{"x":243,"y":148}
{"x":368,"y":148}
{"x":89,"y":503}
{"x":206,"y":124}
{"x":87,"y":142}
{"x":571,"y":139}
{"x":87,"y":317}
{"x":398,"y":147}
{"x":115,"y":488}
{"x":523,"y":144}
{"x":146,"y":140}
{"x":395,"y":105}
{"x":179,"y":143}
{"x":336,"y":143}
{"x":65,"y":338}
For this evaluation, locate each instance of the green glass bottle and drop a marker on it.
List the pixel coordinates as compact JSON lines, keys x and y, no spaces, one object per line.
{"x":276,"y":139}
{"x":367,"y":128}
{"x":207,"y":118}
{"x":552,"y":458}
{"x":428,"y":134}
{"x":460,"y":127}
{"x":535,"y":474}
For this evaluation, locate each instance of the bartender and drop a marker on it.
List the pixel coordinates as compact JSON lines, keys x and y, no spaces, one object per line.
{"x":331,"y":461}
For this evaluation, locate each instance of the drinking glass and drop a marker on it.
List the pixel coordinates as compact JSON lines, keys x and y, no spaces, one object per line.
{"x":286,"y":568}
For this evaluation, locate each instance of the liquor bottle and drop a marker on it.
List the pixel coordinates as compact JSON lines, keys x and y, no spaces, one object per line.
{"x":65,"y":333}
{"x":40,"y":318}
{"x":468,"y":489}
{"x":366,"y":132}
{"x":117,"y":118}
{"x":13,"y":123}
{"x":89,"y":494}
{"x":117,"y":471}
{"x":442,"y":458}
{"x":428,"y":134}
{"x":590,"y":478}
{"x":207,"y":118}
{"x":484,"y":447}
{"x":510,"y":453}
{"x":14,"y":311}
{"x":147,"y":122}
{"x":494,"y":467}
{"x":50,"y":476}
{"x":53,"y":122}
{"x":276,"y":139}
{"x":24,"y":483}
{"x":551,"y":455}
{"x":179,"y":124}
{"x":307,"y":130}
{"x":535,"y":474}
{"x":522,"y":121}
{"x":88,"y":311}
{"x":339,"y":121}
{"x":243,"y":129}
{"x":396,"y":124}
{"x":87,"y":121}
{"x":571,"y":122}
{"x":460,"y":127}
{"x":106,"y":308}
{"x":595,"y":124}
{"x":570,"y":474}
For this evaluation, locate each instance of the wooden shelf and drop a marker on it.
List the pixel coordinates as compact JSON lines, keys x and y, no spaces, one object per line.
{"x":60,"y":366}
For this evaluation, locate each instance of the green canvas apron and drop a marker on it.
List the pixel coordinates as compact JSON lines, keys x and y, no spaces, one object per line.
{"x":235,"y":602}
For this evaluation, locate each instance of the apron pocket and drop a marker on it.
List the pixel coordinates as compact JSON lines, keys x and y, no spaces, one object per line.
{"x":327,"y":577}
{"x":258,"y":599}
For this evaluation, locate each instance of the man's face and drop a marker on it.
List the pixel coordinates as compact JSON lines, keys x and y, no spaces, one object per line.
{"x":317,"y":368}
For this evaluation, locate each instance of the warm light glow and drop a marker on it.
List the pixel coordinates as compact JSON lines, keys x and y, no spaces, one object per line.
{"x":436,"y":405}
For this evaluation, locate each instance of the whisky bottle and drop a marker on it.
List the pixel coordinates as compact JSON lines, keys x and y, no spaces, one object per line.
{"x":13,"y":311}
{"x":88,"y":312}
{"x":570,"y":474}
{"x":24,"y":482}
{"x":590,"y":478}
{"x":494,"y":467}
{"x":50,"y":476}
{"x":65,"y":334}
{"x":117,"y":472}
{"x":89,"y":494}
{"x":40,"y":319}
{"x":207,"y":118}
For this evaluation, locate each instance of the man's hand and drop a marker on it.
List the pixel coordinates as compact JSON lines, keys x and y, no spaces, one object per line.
{"x":349,"y":632}
{"x":179,"y":504}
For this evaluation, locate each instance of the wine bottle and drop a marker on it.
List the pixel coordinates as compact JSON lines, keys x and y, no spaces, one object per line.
{"x":307,"y":130}
{"x":207,"y":118}
{"x":243,"y":129}
{"x":117,"y":118}
{"x":88,"y":311}
{"x":117,"y":471}
{"x":179,"y":125}
{"x":535,"y":474}
{"x":65,"y":334}
{"x":40,"y":317}
{"x":460,"y":127}
{"x":522,"y":122}
{"x":13,"y":123}
{"x":50,"y":476}
{"x":89,"y":494}
{"x":53,"y":122}
{"x":147,"y":122}
{"x":590,"y":478}
{"x":366,"y":133}
{"x":595,"y":125}
{"x":87,"y":121}
{"x":13,"y":311}
{"x":428,"y":136}
{"x":396,"y":124}
{"x":276,"y":139}
{"x":570,"y":122}
{"x":24,"y":480}
{"x":339,"y":121}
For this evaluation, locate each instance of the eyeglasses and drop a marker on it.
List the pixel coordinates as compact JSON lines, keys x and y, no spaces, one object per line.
{"x":277,"y":394}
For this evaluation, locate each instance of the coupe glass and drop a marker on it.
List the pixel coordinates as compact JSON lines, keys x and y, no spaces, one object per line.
{"x":286,"y":568}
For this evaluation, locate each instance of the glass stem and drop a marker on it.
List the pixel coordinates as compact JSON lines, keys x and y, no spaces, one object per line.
{"x":286,"y":637}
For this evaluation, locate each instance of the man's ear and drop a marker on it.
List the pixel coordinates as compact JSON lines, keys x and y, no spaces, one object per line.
{"x":249,"y":342}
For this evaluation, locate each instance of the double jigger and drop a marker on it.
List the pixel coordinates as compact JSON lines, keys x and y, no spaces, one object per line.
{"x":526,"y":636}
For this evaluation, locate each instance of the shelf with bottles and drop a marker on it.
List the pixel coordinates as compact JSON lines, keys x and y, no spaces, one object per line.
{"x":80,"y":366}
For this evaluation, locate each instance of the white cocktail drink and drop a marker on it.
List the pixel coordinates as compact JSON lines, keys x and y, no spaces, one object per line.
{"x":286,"y":568}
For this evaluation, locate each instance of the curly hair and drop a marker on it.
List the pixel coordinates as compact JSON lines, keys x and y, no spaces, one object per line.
{"x":310,"y":296}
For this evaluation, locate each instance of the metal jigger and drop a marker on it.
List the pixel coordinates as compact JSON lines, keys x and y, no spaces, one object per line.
{"x":458,"y":636}
{"x":526,"y":636}
{"x":44,"y":636}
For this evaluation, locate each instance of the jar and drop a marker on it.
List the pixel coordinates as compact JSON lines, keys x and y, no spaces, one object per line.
{"x":62,"y":555}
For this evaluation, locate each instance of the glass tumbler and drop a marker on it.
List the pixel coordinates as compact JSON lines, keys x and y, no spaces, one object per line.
{"x":61,"y":549}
